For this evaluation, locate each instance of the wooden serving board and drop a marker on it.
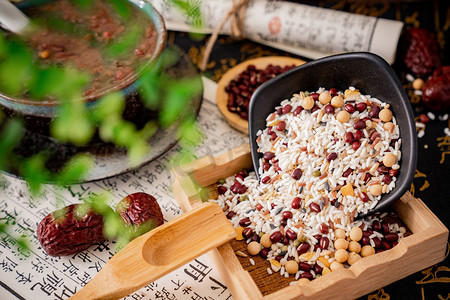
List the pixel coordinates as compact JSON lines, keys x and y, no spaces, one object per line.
{"x":424,"y":247}
{"x":260,"y":63}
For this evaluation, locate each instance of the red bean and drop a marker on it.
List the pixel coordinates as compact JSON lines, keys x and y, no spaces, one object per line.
{"x":247,"y":233}
{"x":255,"y":237}
{"x":281,"y":126}
{"x":297,"y":111}
{"x":391,"y":237}
{"x":385,"y":227}
{"x":244,"y":222}
{"x":297,"y":174}
{"x":291,"y":234}
{"x":347,"y":172}
{"x":374,"y":136}
{"x":329,"y":109}
{"x":230,"y":214}
{"x":365,"y":240}
{"x":359,"y":125}
{"x":303,"y":248}
{"x":385,"y":245}
{"x":376,"y":225}
{"x":306,"y":275}
{"x":394,"y":244}
{"x":287,"y":108}
{"x":393,"y":172}
{"x":367,"y":177}
{"x":424,"y":118}
{"x":240,"y":176}
{"x":242,"y":189}
{"x":296,"y":203}
{"x":361,"y":106}
{"x":315,"y":207}
{"x":221,"y":189}
{"x":264,"y":252}
{"x":376,"y":242}
{"x":373,"y":113}
{"x":287,"y":214}
{"x":367,"y":232}
{"x":283,"y":222}
{"x":331,"y":156}
{"x":324,"y":243}
{"x":323,"y":228}
{"x":285,"y":240}
{"x":276,"y":167}
{"x":358,"y":135}
{"x":304,"y":266}
{"x":317,"y":269}
{"x":356,"y":145}
{"x":267,"y":156}
{"x":278,"y":257}
{"x":276,"y":236}
{"x":387,"y":179}
{"x":314,"y":108}
{"x":265,"y":180}
{"x":333,"y":91}
{"x":235,"y":187}
{"x":383,"y":169}
{"x":363,"y":196}
{"x":348,"y":137}
{"x":315,"y":96}
{"x":279,"y":111}
{"x":266,"y":166}
{"x":350,"y":108}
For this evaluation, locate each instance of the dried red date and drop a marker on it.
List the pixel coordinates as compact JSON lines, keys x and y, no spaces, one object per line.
{"x":142,"y":211}
{"x":66,"y":232}
{"x":436,"y":90}
{"x":420,"y":51}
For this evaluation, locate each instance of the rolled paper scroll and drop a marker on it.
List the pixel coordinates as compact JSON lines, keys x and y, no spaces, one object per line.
{"x":305,"y":30}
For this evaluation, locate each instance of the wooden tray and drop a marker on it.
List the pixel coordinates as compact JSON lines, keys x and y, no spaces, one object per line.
{"x":424,"y":247}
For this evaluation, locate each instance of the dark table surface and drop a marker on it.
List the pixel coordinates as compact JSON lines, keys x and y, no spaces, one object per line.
{"x":431,"y":181}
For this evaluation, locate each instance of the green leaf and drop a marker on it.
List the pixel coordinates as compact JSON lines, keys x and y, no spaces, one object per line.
{"x":75,"y":169}
{"x":179,"y":95}
{"x":47,"y":83}
{"x":124,"y":133}
{"x":122,"y":8}
{"x":191,"y":10}
{"x":34,"y":171}
{"x":72,"y":123}
{"x":126,"y":42}
{"x":111,"y":105}
{"x":18,"y":70}
{"x":189,"y":132}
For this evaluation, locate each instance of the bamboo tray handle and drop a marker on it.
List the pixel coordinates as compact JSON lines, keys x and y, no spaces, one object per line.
{"x":159,"y":252}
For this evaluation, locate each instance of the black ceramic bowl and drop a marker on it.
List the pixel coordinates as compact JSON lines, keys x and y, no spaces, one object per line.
{"x":367,"y":72}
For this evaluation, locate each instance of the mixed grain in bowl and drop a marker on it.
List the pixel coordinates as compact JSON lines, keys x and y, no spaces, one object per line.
{"x":327,"y":156}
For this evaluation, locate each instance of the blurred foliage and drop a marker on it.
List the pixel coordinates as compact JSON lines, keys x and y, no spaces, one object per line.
{"x":76,"y":123}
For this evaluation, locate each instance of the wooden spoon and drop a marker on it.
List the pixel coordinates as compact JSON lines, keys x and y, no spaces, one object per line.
{"x":260,"y":63}
{"x":159,"y":252}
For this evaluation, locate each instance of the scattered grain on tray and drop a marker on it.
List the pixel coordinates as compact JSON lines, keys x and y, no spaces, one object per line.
{"x":418,"y":84}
